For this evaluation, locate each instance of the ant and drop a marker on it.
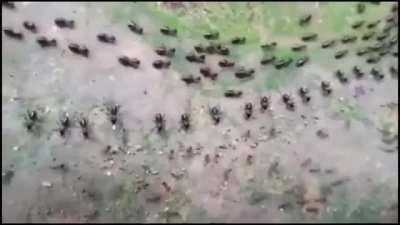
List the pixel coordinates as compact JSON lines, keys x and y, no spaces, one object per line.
{"x":164,"y":51}
{"x":85,"y":127}
{"x":31,"y":119}
{"x":226,"y":63}
{"x":191,"y":79}
{"x":79,"y":50}
{"x":301,"y":61}
{"x":185,"y":121}
{"x":206,"y":72}
{"x":341,"y":53}
{"x":30,"y":26}
{"x":326,"y":87}
{"x":135,"y":27}
{"x":106,"y":38}
{"x":44,"y":42}
{"x":243,"y":73}
{"x":211,"y":36}
{"x":64,"y":23}
{"x":304,"y":94}
{"x":238,"y":40}
{"x":13,"y":34}
{"x":267,"y":60}
{"x":357,"y":71}
{"x":130,"y":62}
{"x":168,"y":31}
{"x":305,"y":20}
{"x":160,"y":122}
{"x":215,"y":114}
{"x":340,"y":75}
{"x":264,"y":102}
{"x":288,"y":101}
{"x":248,"y":110}
{"x":113,"y":111}
{"x":65,"y":124}
{"x":192,"y":57}
{"x":161,"y":64}
{"x":233,"y":94}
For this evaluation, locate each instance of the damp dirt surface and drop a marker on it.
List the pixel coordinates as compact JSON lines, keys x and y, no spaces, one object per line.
{"x":314,"y":157}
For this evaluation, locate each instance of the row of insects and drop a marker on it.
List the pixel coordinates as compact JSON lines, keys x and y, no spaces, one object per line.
{"x":32,"y":116}
{"x":216,"y":48}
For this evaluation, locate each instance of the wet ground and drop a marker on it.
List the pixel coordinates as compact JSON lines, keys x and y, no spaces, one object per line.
{"x":332,"y":159}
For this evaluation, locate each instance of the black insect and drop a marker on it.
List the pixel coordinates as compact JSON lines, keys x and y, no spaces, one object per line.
{"x":362,"y":51}
{"x":341,"y":53}
{"x":372,"y":59}
{"x":349,"y":39}
{"x":212,"y":48}
{"x":30,"y":26}
{"x":207,"y":159}
{"x":304,"y":94}
{"x":238,"y":40}
{"x":393,"y":40}
{"x":85,"y":127}
{"x":191,"y":79}
{"x":79,"y":49}
{"x":388,"y":27}
{"x":377,"y":74}
{"x":134,"y":27}
{"x":206,"y":72}
{"x":169,"y":31}
{"x":211,"y":35}
{"x":226,"y":63}
{"x":65,"y":124}
{"x":357,"y":71}
{"x":393,"y":71}
{"x":215,"y":114}
{"x":113,"y":113}
{"x":299,"y":47}
{"x":282,"y":63}
{"x":326,"y":88}
{"x":328,"y":44}
{"x":249,"y":159}
{"x":192,"y":57}
{"x":106,"y":38}
{"x":222,"y":50}
{"x":233,"y":94}
{"x":9,"y":5}
{"x":377,"y":46}
{"x":242,"y":73}
{"x":13,"y":34}
{"x":384,"y":52}
{"x":44,"y":42}
{"x":199,"y":48}
{"x":301,"y":61}
{"x":30,"y":119}
{"x":382,"y":36}
{"x":160,"y":122}
{"x":267,"y":60}
{"x":309,"y":37}
{"x":394,"y":54}
{"x":248,"y":110}
{"x":270,"y":46}
{"x":161,"y":64}
{"x":360,"y":8}
{"x":368,"y":35}
{"x":185,"y":121}
{"x":64,"y":23}
{"x":390,"y":19}
{"x":288,"y":101}
{"x":130,"y":62}
{"x":358,"y":24}
{"x":340,"y":75}
{"x":373,"y":24}
{"x":305,"y":20}
{"x":264,"y":103}
{"x":164,"y":51}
